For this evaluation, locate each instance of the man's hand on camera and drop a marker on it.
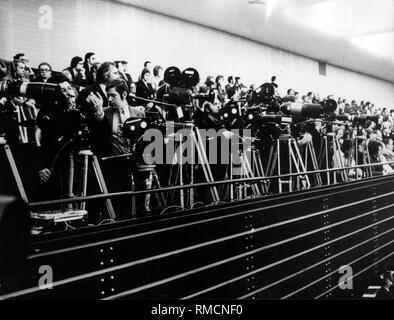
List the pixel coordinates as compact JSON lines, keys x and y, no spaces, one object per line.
{"x":44,"y":174}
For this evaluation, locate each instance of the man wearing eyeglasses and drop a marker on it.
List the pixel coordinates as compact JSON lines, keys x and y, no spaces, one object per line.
{"x":44,"y":72}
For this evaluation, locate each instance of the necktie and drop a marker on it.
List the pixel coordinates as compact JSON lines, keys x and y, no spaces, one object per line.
{"x":122,"y":119}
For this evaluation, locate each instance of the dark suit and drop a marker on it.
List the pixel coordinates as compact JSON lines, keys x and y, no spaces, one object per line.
{"x":86,"y":107}
{"x":126,"y":77}
{"x":102,"y":130}
{"x":116,"y":171}
{"x":77,"y":79}
{"x":144,"y":90}
{"x":90,"y":73}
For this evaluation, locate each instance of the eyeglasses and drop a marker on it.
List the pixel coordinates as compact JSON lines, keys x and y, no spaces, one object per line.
{"x":45,"y":70}
{"x":24,"y":60}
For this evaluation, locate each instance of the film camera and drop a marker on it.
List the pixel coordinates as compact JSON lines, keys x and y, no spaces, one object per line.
{"x":181,"y":86}
{"x":65,"y":116}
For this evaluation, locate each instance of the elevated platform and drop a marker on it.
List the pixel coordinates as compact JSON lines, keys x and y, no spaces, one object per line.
{"x":289,"y":246}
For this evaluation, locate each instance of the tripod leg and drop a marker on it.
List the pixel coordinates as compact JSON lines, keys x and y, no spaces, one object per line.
{"x":327,"y":162}
{"x":204,"y":163}
{"x":268,"y":166}
{"x":70,"y":180}
{"x":231,"y":177}
{"x":356,"y":156}
{"x":148,"y":187}
{"x":159,"y":196}
{"x":261,"y":173}
{"x":180,"y":162}
{"x":133,"y":202}
{"x":314,"y":163}
{"x":15,"y":173}
{"x":250,"y":174}
{"x":279,"y":167}
{"x":369,"y":161}
{"x":103,"y":187}
{"x":301,"y":164}
{"x":84,"y":179}
{"x":191,"y":190}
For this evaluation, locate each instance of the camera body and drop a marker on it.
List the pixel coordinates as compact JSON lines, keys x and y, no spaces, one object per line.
{"x":55,"y":112}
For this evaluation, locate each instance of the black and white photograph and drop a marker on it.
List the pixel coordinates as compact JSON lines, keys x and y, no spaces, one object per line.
{"x":198,"y":155}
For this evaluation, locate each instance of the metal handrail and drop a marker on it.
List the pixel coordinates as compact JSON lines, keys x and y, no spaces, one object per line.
{"x":195,"y":185}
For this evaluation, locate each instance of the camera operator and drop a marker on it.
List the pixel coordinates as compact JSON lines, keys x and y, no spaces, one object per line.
{"x":208,"y":118}
{"x":56,"y":127}
{"x":107,"y":131}
{"x":106,"y":73}
{"x":222,"y":95}
{"x":20,"y":109}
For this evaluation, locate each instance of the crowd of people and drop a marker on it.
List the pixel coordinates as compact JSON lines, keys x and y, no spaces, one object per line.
{"x":106,"y":95}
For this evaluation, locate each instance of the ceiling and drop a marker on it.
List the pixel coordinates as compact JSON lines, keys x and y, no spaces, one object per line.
{"x":353,"y":34}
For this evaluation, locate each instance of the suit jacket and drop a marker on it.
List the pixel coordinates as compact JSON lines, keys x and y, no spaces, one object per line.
{"x":77,"y":79}
{"x":86,"y":107}
{"x":144,"y":90}
{"x":126,"y":77}
{"x":102,"y":130}
{"x":90,"y":74}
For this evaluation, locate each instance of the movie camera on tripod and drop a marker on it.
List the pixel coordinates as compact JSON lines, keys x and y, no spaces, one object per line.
{"x":73,"y":122}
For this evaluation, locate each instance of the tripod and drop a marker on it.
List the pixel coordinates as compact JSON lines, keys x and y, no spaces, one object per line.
{"x":308,"y":150}
{"x":87,"y":156}
{"x":248,"y":169}
{"x":294,"y":159}
{"x":354,"y":155}
{"x":14,"y":169}
{"x":196,"y":145}
{"x":330,"y":142}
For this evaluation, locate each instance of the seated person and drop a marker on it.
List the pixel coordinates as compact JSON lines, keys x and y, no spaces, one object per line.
{"x":375,"y":152}
{"x":342,"y":158}
{"x":144,"y":88}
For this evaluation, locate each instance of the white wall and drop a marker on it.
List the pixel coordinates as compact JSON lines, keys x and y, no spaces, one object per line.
{"x":115,"y":31}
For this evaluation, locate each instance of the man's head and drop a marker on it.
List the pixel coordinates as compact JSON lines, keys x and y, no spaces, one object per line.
{"x":90,"y":59}
{"x":145,"y":75}
{"x":68,"y":92}
{"x":158,"y":71}
{"x":45,"y":70}
{"x":21,"y":57}
{"x":117,"y":92}
{"x":124,"y":64}
{"x":209,"y":79}
{"x":211,"y":108}
{"x":148,"y":65}
{"x":19,"y":69}
{"x":76,"y":63}
{"x":107,"y":73}
{"x":121,"y":67}
{"x":230,"y":80}
{"x":219,"y":80}
{"x":290,"y":92}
